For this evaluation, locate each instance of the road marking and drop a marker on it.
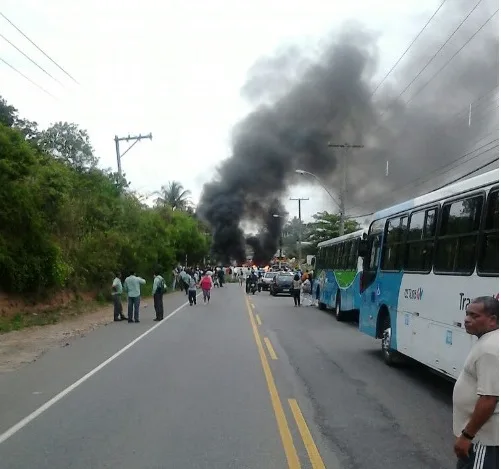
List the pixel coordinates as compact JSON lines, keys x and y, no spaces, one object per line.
{"x":283,"y":427}
{"x":253,"y":306}
{"x":21,"y":424}
{"x":311,"y":447}
{"x":271,"y":351}
{"x":258,"y":319}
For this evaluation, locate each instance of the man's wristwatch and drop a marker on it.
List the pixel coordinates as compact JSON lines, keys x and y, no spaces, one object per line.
{"x":467,"y":435}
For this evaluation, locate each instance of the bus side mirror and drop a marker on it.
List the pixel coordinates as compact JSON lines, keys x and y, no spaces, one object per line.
{"x":362,"y":248}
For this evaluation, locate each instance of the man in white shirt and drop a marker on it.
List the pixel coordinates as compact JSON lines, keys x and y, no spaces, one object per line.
{"x":475,"y":414}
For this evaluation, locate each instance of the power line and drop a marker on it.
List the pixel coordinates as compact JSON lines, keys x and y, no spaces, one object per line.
{"x":435,"y":54}
{"x":408,"y":48}
{"x":494,"y":160}
{"x":27,"y":78}
{"x":447,"y":122}
{"x":44,"y":53}
{"x":468,"y":174}
{"x":30,"y":59}
{"x":450,"y":166}
{"x":455,"y":54}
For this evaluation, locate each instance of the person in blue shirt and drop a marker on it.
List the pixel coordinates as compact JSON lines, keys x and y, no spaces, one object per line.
{"x":132,"y":285}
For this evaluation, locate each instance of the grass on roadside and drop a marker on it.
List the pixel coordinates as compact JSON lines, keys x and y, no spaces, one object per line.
{"x":51,"y":315}
{"x":56,"y":314}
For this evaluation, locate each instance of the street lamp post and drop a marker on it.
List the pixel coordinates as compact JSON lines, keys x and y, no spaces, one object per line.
{"x":340,"y":206}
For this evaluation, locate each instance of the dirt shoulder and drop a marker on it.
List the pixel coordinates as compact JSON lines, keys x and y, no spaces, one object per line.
{"x":18,"y":348}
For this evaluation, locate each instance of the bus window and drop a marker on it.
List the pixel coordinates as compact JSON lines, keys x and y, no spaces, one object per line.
{"x":346,"y":255}
{"x":320,"y":257}
{"x":420,"y":241}
{"x":394,"y":239}
{"x":489,"y":243}
{"x":354,"y":254}
{"x":328,"y":257}
{"x":457,"y":237}
{"x":339,"y":256}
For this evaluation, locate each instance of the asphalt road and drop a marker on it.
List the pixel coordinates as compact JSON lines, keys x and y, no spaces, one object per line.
{"x":235,"y":384}
{"x":370,"y":415}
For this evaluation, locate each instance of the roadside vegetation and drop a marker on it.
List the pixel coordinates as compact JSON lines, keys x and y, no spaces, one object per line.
{"x":66,"y":225}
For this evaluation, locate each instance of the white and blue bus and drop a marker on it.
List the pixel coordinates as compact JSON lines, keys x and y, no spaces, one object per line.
{"x":424,"y":261}
{"x":337,"y":275}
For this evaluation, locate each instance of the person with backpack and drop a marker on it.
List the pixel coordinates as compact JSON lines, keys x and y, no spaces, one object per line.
{"x":192,"y":290}
{"x":158,"y":295}
{"x":206,"y":284}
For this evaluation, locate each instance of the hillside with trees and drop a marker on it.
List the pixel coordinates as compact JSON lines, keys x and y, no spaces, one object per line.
{"x":66,"y":224}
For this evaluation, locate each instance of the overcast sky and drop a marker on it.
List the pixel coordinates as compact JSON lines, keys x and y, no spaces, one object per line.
{"x":173,"y":68}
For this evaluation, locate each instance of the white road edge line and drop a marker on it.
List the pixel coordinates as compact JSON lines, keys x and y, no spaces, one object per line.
{"x":21,"y":424}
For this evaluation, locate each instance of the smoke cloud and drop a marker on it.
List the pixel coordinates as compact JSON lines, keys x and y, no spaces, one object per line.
{"x":305,"y":98}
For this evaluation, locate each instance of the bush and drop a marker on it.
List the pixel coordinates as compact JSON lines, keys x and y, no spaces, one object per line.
{"x":64,"y":226}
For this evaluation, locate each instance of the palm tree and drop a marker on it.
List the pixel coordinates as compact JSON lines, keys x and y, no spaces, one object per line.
{"x":174,"y":195}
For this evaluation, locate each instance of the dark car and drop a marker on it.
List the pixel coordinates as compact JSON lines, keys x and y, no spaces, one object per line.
{"x":282,"y":283}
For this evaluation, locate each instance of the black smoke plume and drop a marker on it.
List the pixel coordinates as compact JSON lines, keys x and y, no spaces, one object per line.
{"x":304,"y":99}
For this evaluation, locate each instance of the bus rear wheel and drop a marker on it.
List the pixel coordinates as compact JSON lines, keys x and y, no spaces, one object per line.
{"x":340,"y":316}
{"x":390,"y":357}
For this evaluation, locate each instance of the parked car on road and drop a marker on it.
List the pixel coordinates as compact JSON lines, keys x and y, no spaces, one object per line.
{"x":267,"y":279}
{"x":282,"y":283}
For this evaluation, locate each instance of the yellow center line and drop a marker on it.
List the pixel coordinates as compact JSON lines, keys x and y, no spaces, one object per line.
{"x":283,"y":427}
{"x":311,"y":447}
{"x":258,"y":319}
{"x":271,"y":351}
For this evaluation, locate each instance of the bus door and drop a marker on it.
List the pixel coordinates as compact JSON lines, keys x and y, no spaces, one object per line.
{"x":369,"y":294}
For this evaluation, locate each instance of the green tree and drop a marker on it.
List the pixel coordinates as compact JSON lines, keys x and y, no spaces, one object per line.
{"x":64,"y":223}
{"x":67,"y":142}
{"x":28,"y":256}
{"x":10,"y":118}
{"x":173,"y":195}
{"x":326,"y":226}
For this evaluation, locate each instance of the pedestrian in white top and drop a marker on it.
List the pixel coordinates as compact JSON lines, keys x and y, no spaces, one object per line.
{"x":475,"y":408}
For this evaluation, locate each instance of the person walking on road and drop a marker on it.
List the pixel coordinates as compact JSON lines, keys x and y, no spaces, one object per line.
{"x":132,"y":285}
{"x":192,"y":291}
{"x":116,"y":292}
{"x":306,"y":291}
{"x":475,"y":400}
{"x":158,"y":295}
{"x":206,"y":284}
{"x":296,"y":290}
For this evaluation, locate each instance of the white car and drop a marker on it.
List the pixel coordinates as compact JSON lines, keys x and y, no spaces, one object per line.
{"x":267,"y":279}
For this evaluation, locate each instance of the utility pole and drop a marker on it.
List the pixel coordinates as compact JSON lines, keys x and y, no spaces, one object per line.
{"x":342,"y":196}
{"x":136,"y":139}
{"x":300,"y":250}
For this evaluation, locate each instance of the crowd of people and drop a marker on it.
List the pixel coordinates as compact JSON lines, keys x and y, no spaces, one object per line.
{"x":189,"y":279}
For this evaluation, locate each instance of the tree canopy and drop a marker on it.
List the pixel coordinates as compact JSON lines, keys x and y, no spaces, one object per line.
{"x":323,"y":227}
{"x":174,"y":196}
{"x":65,"y":223}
